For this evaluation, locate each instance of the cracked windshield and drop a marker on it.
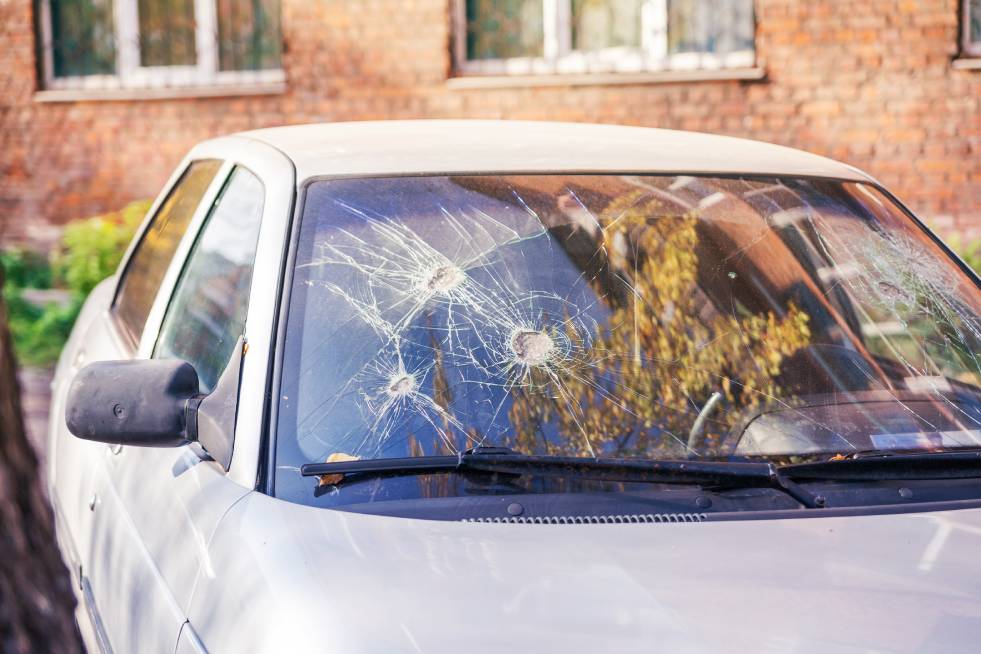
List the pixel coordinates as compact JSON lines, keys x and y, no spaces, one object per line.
{"x":652,"y":317}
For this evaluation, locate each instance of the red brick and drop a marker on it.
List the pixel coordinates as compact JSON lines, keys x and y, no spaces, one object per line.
{"x":868,"y":81}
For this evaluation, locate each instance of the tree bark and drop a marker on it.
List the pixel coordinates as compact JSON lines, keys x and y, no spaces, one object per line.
{"x":36,"y":601}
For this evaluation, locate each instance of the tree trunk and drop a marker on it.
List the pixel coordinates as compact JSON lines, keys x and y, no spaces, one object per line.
{"x":36,"y":602}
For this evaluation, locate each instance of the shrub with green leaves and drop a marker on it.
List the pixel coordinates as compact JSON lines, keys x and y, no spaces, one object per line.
{"x":25,"y":269}
{"x":90,"y":251}
{"x":91,"y":248}
{"x":39,"y":332}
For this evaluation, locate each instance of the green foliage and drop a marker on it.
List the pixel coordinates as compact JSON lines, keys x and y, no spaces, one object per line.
{"x":25,"y":269}
{"x":89,"y":252}
{"x":91,"y":248}
{"x":39,"y":333}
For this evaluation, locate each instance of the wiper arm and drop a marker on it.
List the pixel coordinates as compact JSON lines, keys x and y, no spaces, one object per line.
{"x":505,"y":461}
{"x":886,"y":466}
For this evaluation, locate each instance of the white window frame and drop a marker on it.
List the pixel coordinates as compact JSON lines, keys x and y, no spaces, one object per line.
{"x":131,"y":75}
{"x":969,"y":48}
{"x":560,"y":58}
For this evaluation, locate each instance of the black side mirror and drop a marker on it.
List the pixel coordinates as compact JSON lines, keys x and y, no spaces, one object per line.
{"x":144,"y":402}
{"x":156,"y":403}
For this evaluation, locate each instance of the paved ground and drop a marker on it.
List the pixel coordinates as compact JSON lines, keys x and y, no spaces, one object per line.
{"x":35,"y":389}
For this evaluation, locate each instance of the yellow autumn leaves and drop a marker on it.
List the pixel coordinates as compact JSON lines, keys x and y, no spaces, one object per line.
{"x":637,"y":387}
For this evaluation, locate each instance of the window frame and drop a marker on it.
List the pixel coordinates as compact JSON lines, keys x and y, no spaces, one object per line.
{"x":131,"y":75}
{"x":969,"y":48}
{"x":195,"y":239}
{"x":558,"y":57}
{"x":125,"y":335}
{"x":277,"y":174}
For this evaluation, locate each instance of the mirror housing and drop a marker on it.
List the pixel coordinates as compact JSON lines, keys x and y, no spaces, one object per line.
{"x":156,"y":403}
{"x":212,"y":422}
{"x":144,"y":402}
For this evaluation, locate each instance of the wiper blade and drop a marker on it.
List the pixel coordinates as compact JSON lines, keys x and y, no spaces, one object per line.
{"x":505,"y":461}
{"x":887,"y":466}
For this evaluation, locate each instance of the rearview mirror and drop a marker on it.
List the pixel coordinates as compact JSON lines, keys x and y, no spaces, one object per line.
{"x":156,"y":403}
{"x":144,"y":402}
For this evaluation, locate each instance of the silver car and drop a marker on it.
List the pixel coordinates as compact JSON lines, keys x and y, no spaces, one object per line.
{"x":478,"y":386}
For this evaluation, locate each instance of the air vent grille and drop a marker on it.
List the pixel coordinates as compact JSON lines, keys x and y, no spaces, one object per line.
{"x":632,"y":518}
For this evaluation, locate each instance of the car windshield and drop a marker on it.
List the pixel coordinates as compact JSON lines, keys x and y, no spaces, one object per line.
{"x":621,"y":316}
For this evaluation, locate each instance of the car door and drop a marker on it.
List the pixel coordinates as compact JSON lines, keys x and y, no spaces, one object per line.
{"x":171,"y":499}
{"x":78,"y":467}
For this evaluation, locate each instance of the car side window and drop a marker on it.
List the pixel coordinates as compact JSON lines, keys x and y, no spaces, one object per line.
{"x":206,"y":314}
{"x":147,"y":266}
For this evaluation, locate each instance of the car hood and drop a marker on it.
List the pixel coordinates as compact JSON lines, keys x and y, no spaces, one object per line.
{"x":281,"y":575}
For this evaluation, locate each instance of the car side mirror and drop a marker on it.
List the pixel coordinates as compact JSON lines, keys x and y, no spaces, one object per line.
{"x":144,"y":402}
{"x":156,"y":403}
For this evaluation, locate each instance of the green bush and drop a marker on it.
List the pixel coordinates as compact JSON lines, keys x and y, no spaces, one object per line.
{"x":90,"y":251}
{"x":39,"y":333}
{"x":25,"y":269}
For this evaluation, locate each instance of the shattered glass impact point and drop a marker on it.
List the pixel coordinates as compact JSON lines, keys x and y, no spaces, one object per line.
{"x":532,"y":347}
{"x":443,"y":279}
{"x":402,"y":385}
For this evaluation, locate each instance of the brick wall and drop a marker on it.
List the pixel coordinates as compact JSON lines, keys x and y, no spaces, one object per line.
{"x":868,"y":82}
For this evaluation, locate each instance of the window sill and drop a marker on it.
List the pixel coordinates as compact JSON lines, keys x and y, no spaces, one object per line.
{"x":966,"y":63}
{"x":471,"y":81}
{"x":164,"y":93}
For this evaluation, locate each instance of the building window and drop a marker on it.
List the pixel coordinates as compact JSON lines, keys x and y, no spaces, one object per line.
{"x":971,"y":28}
{"x":582,"y":36}
{"x":148,"y":44}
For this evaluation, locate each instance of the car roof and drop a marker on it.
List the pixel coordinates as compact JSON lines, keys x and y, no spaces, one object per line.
{"x":487,"y":146}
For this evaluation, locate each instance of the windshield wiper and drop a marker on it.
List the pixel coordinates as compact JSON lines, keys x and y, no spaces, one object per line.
{"x":727,"y":474}
{"x":874,"y":466}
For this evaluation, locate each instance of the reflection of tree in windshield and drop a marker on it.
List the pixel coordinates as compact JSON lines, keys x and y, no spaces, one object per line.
{"x":658,"y":359}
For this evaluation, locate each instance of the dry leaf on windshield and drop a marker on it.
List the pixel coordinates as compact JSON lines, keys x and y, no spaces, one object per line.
{"x":336,"y":457}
